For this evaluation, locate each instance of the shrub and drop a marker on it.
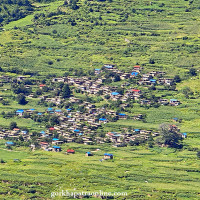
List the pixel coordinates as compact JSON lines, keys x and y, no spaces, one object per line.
{"x":2,"y":161}
{"x":198,"y":154}
{"x":50,"y":62}
{"x":151,"y":61}
{"x":13,"y":125}
{"x":21,"y":99}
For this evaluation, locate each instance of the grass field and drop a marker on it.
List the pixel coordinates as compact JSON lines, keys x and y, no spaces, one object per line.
{"x":163,"y":31}
{"x":157,"y":173}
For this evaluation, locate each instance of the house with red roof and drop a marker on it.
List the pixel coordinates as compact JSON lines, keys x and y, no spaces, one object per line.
{"x":42,"y":85}
{"x":70,"y":151}
{"x":51,"y":129}
{"x":44,"y":145}
{"x":136,"y":91}
{"x":137,"y":68}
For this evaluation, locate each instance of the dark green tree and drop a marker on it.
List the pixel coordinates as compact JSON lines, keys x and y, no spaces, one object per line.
{"x":187,"y":92}
{"x":193,"y":72}
{"x":198,"y":154}
{"x":177,"y":79}
{"x":21,"y":99}
{"x":169,"y":137}
{"x":54,"y":120}
{"x":66,"y":92}
{"x":13,"y":125}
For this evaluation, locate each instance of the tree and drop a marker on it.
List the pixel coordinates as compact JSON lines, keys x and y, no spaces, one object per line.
{"x":136,"y":142}
{"x":198,"y":154}
{"x":38,"y":92}
{"x":73,"y":4}
{"x":66,"y":92}
{"x":169,"y":136}
{"x":21,"y":99}
{"x":151,"y":61}
{"x":79,"y":140}
{"x":61,"y":85}
{"x":2,"y":161}
{"x":54,"y":31}
{"x":21,"y":138}
{"x":152,"y":87}
{"x":177,"y":79}
{"x":187,"y":91}
{"x":54,"y":120}
{"x":193,"y":72}
{"x":116,"y":78}
{"x":13,"y":125}
{"x":45,"y":89}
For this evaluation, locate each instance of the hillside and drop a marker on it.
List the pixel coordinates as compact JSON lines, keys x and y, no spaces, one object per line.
{"x":99,"y":32}
{"x":100,"y":95}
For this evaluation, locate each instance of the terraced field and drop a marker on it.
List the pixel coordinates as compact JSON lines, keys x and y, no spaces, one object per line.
{"x":140,"y":172}
{"x":122,"y":33}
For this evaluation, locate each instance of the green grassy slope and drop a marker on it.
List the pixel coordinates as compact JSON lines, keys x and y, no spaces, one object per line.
{"x":95,"y":34}
{"x":142,"y":173}
{"x":118,"y":32}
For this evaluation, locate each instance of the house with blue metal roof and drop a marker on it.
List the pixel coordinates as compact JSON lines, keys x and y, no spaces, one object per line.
{"x":56,"y":148}
{"x":175,"y":119}
{"x":122,"y":116}
{"x":19,"y":112}
{"x":58,"y":111}
{"x":88,"y":154}
{"x":153,"y":80}
{"x":108,"y":156}
{"x":24,"y":132}
{"x":184,"y":135}
{"x":56,"y":141}
{"x":108,"y":66}
{"x":114,"y":93}
{"x":50,"y":109}
{"x":115,"y":96}
{"x":174,"y":102}
{"x":31,"y":110}
{"x":9,"y":144}
{"x":133,"y":74}
{"x":103,"y":120}
{"x":97,"y":71}
{"x":137,"y":130}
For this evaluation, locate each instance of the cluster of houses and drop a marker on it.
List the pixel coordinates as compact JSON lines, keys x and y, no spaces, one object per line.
{"x":149,"y":79}
{"x":47,"y":147}
{"x":171,"y":102}
{"x":81,"y":125}
{"x":75,"y":125}
{"x":14,"y":134}
{"x":96,"y":86}
{"x":53,"y":144}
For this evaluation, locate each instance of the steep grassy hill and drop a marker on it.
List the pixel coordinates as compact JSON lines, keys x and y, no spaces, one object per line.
{"x":158,"y":34}
{"x":54,"y":37}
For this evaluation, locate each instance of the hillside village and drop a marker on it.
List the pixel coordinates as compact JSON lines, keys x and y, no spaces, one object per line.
{"x":99,"y":99}
{"x":79,"y":120}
